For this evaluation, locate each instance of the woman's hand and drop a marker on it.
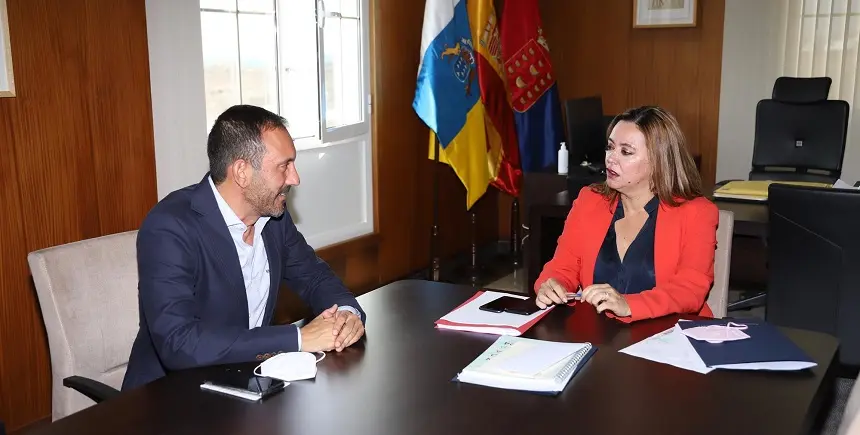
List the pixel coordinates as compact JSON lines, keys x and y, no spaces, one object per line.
{"x":549,"y":293}
{"x":604,"y":297}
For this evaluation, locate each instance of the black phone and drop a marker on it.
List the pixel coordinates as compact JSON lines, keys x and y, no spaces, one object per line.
{"x":242,"y":382}
{"x":507,"y":304}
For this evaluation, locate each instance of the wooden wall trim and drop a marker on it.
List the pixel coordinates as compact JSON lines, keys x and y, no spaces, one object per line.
{"x":349,"y":247}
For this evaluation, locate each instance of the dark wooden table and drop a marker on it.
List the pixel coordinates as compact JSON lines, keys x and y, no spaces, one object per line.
{"x":399,"y":381}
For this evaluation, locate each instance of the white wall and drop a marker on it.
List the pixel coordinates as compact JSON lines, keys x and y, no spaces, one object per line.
{"x":335,"y":199}
{"x":178,"y":94}
{"x":751,"y":38}
{"x":334,"y":202}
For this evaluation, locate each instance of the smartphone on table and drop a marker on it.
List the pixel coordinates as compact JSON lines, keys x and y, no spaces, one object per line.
{"x":508,"y":304}
{"x":242,"y":383}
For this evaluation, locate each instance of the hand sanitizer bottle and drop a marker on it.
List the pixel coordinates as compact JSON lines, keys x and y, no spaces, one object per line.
{"x":562,"y":159}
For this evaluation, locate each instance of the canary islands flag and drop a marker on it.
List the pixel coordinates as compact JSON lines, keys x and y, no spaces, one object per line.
{"x":448,"y":95}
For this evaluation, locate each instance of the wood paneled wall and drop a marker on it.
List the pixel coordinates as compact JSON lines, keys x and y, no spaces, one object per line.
{"x":79,"y":161}
{"x":596,"y":51}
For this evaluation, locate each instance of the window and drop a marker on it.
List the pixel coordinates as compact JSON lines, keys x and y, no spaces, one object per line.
{"x":306,"y":60}
{"x":821,"y":39}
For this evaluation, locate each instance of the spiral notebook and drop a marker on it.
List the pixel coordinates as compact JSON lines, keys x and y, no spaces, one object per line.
{"x":517,"y":363}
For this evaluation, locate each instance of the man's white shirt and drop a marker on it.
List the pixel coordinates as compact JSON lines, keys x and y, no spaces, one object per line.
{"x":254,"y":262}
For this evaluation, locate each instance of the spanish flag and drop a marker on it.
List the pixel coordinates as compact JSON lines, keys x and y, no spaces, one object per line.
{"x":448,"y":95}
{"x":502,"y":142}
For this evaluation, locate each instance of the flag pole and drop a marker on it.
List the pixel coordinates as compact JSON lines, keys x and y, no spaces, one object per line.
{"x":434,"y":235}
{"x":515,"y":231}
{"x":474,"y":267}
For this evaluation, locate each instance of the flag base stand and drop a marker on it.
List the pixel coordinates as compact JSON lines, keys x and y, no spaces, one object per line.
{"x":516,"y":249}
{"x":492,"y":263}
{"x":477,"y":273}
{"x":435,"y":266}
{"x":474,"y":273}
{"x":474,"y":269}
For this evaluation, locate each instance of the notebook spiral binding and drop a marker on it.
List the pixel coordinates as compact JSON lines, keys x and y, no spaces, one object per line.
{"x":572,"y":363}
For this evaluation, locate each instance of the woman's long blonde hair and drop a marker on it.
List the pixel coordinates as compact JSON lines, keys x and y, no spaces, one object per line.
{"x":674,"y":175}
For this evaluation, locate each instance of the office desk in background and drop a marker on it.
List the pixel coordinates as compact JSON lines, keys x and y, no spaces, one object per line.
{"x":399,"y":381}
{"x":751,"y":218}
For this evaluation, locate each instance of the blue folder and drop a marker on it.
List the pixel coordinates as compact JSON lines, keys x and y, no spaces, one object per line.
{"x":766,"y":349}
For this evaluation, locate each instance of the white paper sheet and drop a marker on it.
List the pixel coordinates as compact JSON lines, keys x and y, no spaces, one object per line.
{"x":669,"y":347}
{"x":839,"y":184}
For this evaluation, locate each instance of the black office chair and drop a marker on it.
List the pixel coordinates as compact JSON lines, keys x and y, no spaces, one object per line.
{"x":801,"y":89}
{"x":799,"y":141}
{"x":814,"y":253}
{"x":585,"y":127}
{"x":2,"y":429}
{"x":607,"y":120}
{"x":799,"y":136}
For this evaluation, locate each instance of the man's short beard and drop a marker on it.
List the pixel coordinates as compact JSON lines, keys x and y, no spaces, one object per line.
{"x":259,"y":197}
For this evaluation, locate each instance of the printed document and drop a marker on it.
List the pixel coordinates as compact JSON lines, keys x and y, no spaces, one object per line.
{"x":669,"y":347}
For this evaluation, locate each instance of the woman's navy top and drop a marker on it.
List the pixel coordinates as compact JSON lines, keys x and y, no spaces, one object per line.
{"x":636,"y":273}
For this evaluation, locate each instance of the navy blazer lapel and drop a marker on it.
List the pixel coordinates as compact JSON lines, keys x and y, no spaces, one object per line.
{"x":216,"y":237}
{"x":273,"y":253}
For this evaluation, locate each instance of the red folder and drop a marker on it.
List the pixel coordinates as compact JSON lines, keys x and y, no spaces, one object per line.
{"x":488,"y":323}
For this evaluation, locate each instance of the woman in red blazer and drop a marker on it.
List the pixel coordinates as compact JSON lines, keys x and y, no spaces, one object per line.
{"x":641,"y":244}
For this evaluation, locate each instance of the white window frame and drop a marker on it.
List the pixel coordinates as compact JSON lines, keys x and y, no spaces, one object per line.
{"x":328,"y":136}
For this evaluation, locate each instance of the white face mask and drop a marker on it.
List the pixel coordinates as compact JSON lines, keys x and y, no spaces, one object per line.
{"x":289,"y":366}
{"x":717,"y":333}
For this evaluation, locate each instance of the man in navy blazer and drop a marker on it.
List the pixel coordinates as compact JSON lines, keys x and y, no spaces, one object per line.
{"x":211,"y":257}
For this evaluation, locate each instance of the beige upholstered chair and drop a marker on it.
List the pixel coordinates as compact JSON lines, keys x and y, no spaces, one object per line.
{"x":88,"y":295}
{"x":850,"y":424}
{"x":718,"y":298}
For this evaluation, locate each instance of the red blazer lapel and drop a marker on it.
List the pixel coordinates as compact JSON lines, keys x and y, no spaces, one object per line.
{"x":666,"y":238}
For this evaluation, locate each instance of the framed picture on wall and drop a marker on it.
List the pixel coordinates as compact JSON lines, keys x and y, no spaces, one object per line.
{"x":664,"y":13}
{"x":7,"y":81}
